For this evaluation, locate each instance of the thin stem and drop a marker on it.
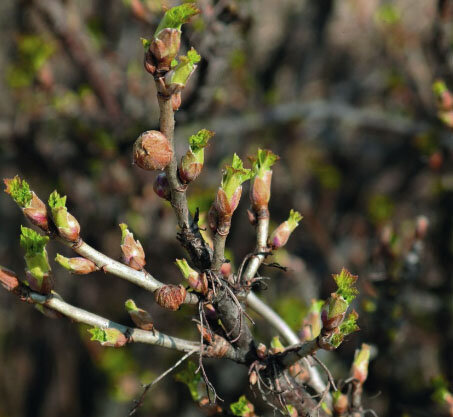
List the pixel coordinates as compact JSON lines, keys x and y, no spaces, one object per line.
{"x":135,"y":335}
{"x":282,"y":327}
{"x":262,"y":231}
{"x":141,"y":278}
{"x":219,"y":251}
{"x":178,"y":193}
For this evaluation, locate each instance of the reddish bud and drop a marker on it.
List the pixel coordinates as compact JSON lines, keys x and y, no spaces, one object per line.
{"x":170,"y":296}
{"x":225,"y":269}
{"x":253,"y":378}
{"x":261,"y":351}
{"x":78,"y":265}
{"x":340,"y":403}
{"x":359,"y":369}
{"x":260,"y":192}
{"x":281,"y":234}
{"x":152,"y":151}
{"x":67,"y":225}
{"x":8,"y":279}
{"x":162,"y":187}
{"x":140,"y":317}
{"x":421,"y":227}
{"x":133,"y":254}
{"x":176,"y":101}
{"x":165,"y":47}
{"x":37,"y":213}
{"x":299,"y":373}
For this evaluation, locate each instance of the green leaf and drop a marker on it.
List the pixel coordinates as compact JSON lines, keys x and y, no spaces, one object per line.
{"x":56,"y":201}
{"x":348,"y":326}
{"x":19,"y":190}
{"x":294,"y":218}
{"x":234,"y":175}
{"x":345,"y":282}
{"x":146,"y":43}
{"x":263,"y":161}
{"x":175,"y":17}
{"x":276,"y":344}
{"x":130,"y":305}
{"x":241,"y":406}
{"x":185,"y":67}
{"x":200,"y":139}
{"x":191,"y":379}
{"x":98,"y":334}
{"x":32,"y":242}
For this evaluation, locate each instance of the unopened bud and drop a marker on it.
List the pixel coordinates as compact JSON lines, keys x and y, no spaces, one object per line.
{"x":253,"y":378}
{"x":176,"y":101}
{"x":162,"y":187}
{"x":140,"y":317}
{"x":276,"y":345}
{"x":261,"y":351}
{"x":421,"y":227}
{"x":67,"y":225}
{"x":443,"y":95}
{"x":152,"y":151}
{"x":340,"y":403}
{"x":281,"y":234}
{"x":197,"y":281}
{"x":8,"y":279}
{"x":133,"y":254}
{"x":78,"y":265}
{"x":207,"y":337}
{"x":225,"y":269}
{"x":359,"y":369}
{"x":32,"y":207}
{"x":170,"y":296}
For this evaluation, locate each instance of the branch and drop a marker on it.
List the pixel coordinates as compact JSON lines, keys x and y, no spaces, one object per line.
{"x":262,"y":231}
{"x":141,"y":278}
{"x":282,"y":327}
{"x":54,"y":302}
{"x":219,"y":251}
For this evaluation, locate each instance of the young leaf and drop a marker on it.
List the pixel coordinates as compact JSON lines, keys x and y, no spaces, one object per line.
{"x":191,"y":379}
{"x":175,"y":17}
{"x":345,"y":282}
{"x":241,"y":407}
{"x":234,"y":175}
{"x":19,"y":190}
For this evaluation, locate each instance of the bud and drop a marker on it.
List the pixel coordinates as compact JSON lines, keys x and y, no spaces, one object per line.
{"x":421,"y":228}
{"x":176,"y":79}
{"x":170,"y":296}
{"x":176,"y":101}
{"x":276,"y":345}
{"x":291,"y":410}
{"x":281,"y":234}
{"x":164,"y":47}
{"x":38,"y":272}
{"x":261,"y":351}
{"x":347,"y":327}
{"x":443,"y":95}
{"x":340,"y":403}
{"x":140,"y":317}
{"x":253,"y":378}
{"x":312,"y":322}
{"x":133,"y":254}
{"x":197,"y":281}
{"x":32,"y":207}
{"x":162,"y":187}
{"x":359,"y":369}
{"x":260,"y":191}
{"x":229,"y":194}
{"x":299,"y":373}
{"x":152,"y":150}
{"x":207,"y":337}
{"x":8,"y":279}
{"x":446,"y":117}
{"x":225,"y":269}
{"x":192,"y":162}
{"x":68,"y":227}
{"x":78,"y":265}
{"x":334,"y":311}
{"x":108,"y":337}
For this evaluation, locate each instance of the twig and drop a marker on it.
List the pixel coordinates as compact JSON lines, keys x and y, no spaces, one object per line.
{"x":326,"y":370}
{"x":141,"y":278}
{"x":147,"y":387}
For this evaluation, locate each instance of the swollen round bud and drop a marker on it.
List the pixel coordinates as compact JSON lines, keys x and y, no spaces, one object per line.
{"x":78,"y":265}
{"x":170,"y":296}
{"x":161,"y":186}
{"x":340,"y":403}
{"x":152,"y":150}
